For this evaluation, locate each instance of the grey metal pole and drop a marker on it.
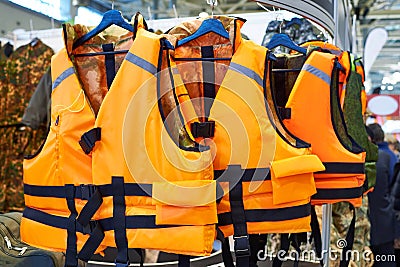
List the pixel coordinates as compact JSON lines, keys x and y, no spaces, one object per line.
{"x":327,"y":208}
{"x":326,"y":232}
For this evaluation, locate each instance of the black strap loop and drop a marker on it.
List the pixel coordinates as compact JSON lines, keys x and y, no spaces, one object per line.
{"x":89,"y":139}
{"x":226,"y":251}
{"x":285,"y":245}
{"x":90,"y":208}
{"x":345,"y":260}
{"x":316,"y":235}
{"x":140,"y":252}
{"x":240,"y":235}
{"x":71,"y":251}
{"x":183,"y":260}
{"x":257,"y":245}
{"x":93,"y":242}
{"x":119,"y":219}
{"x":203,"y":129}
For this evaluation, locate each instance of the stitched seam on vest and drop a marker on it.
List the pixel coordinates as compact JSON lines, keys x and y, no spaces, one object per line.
{"x":68,"y":72}
{"x":317,"y":72}
{"x":140,"y":62}
{"x":246,"y":71}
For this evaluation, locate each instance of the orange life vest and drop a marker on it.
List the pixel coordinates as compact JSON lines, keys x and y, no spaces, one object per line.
{"x":145,"y":190}
{"x":316,"y":117}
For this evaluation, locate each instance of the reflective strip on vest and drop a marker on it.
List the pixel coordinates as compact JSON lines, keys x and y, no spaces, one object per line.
{"x":318,"y":73}
{"x":142,"y":63}
{"x":62,"y":77}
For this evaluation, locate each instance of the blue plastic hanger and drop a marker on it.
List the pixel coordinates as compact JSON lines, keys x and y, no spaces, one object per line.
{"x":208,"y":25}
{"x":294,"y":21}
{"x":112,"y":17}
{"x":281,"y":39}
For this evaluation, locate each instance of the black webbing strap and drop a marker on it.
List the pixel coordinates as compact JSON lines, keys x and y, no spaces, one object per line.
{"x":247,"y":175}
{"x":287,"y":240}
{"x":316,"y":235}
{"x":110,"y":63}
{"x":121,"y":240}
{"x":339,"y":193}
{"x":183,"y":260}
{"x":91,"y":227}
{"x":285,"y":244}
{"x":90,"y":208}
{"x":296,"y":244}
{"x":93,"y":242}
{"x":343,"y":167}
{"x":140,"y":252}
{"x":71,"y":251}
{"x":226,"y":251}
{"x":89,"y":139}
{"x":345,"y":260}
{"x":240,"y":236}
{"x":257,"y":244}
{"x":208,"y":78}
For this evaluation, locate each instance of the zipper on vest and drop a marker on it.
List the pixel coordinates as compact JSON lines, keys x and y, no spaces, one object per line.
{"x":57,"y":120}
{"x":57,"y":141}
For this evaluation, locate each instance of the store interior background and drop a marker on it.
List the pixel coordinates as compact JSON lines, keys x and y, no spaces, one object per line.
{"x":23,"y":20}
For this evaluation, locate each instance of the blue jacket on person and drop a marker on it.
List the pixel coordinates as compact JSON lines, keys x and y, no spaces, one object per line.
{"x":384,"y":146}
{"x":381,"y":212}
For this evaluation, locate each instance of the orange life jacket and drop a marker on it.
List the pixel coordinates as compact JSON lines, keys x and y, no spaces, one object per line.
{"x":145,"y":190}
{"x":316,"y":117}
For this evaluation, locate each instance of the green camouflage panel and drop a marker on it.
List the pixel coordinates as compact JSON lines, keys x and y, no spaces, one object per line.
{"x":19,"y":76}
{"x":352,"y":111}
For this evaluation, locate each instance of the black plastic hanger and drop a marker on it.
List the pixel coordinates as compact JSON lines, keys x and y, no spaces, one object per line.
{"x":112,"y":17}
{"x":281,"y":39}
{"x":207,"y":26}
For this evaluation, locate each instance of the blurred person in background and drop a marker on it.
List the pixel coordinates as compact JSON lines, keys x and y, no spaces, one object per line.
{"x":381,"y":212}
{"x":394,"y":144}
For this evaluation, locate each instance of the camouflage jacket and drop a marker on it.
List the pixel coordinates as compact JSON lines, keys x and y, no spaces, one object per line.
{"x":19,"y":76}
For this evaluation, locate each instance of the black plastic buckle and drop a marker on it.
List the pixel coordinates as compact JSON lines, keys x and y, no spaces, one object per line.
{"x":85,"y":144}
{"x":203,"y":129}
{"x":121,"y":264}
{"x":241,"y":246}
{"x":89,"y":139}
{"x":88,"y":229}
{"x":87,"y":191}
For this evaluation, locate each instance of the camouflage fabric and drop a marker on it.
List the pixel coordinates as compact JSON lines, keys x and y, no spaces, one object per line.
{"x":352,"y":111}
{"x":193,"y":80}
{"x":341,"y":218}
{"x":19,"y":76}
{"x":91,"y":69}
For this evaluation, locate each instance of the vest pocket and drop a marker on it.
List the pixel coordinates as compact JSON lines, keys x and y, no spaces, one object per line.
{"x":185,"y":202}
{"x":292,"y":179}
